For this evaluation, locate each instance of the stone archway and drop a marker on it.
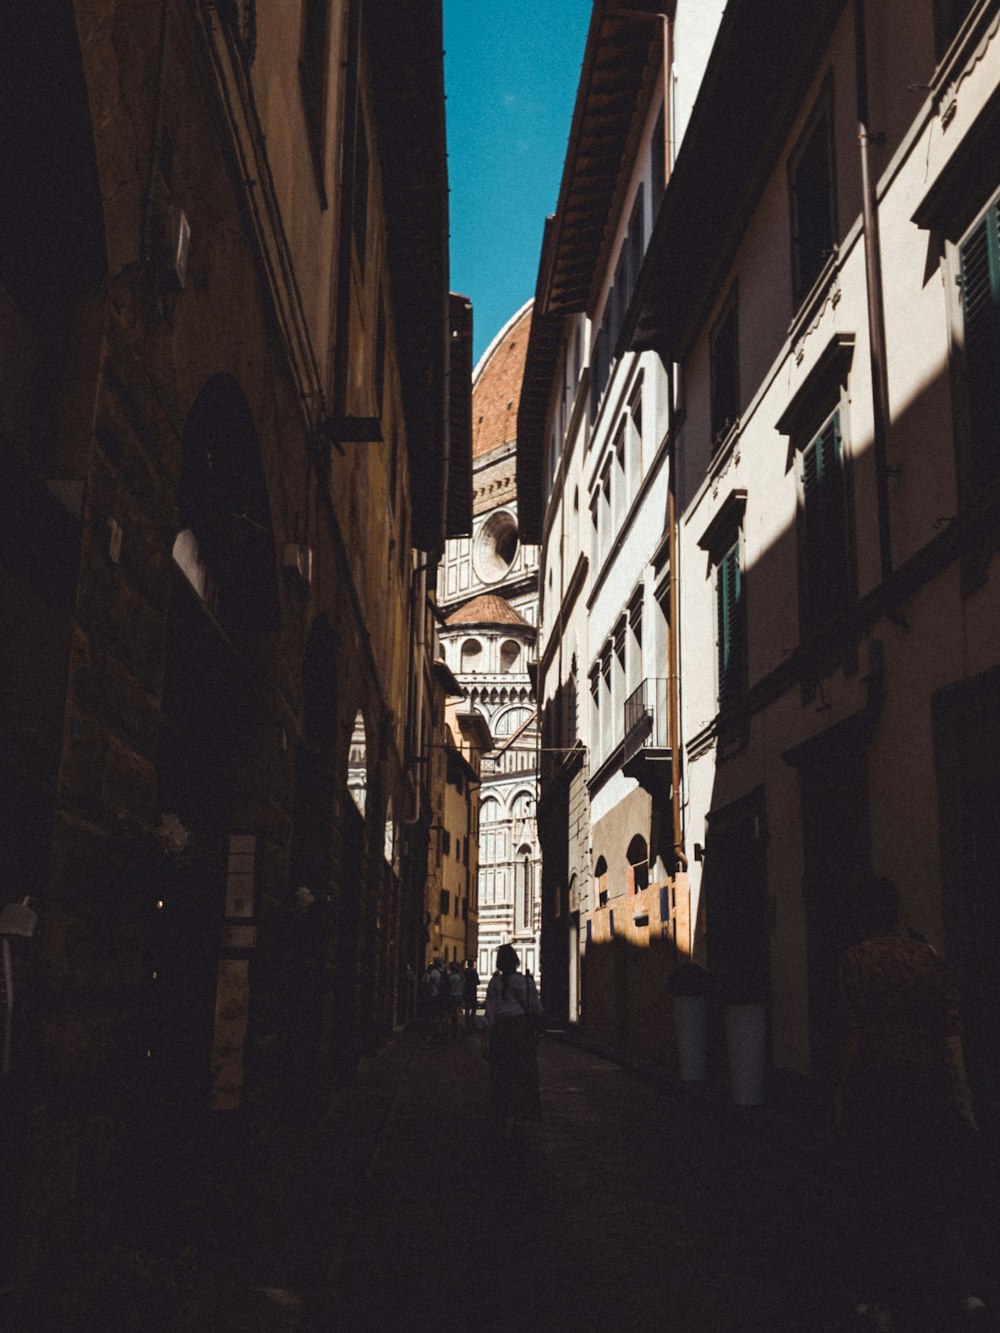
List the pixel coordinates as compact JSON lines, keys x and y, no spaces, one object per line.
{"x":223,"y":605}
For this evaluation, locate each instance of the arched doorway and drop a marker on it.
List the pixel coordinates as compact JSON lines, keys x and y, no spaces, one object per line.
{"x":223,"y":604}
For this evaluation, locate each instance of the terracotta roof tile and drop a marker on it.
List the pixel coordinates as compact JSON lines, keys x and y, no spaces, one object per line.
{"x":496,"y":390}
{"x":487,"y":609}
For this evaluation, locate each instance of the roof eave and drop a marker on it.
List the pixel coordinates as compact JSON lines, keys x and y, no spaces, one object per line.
{"x":752,"y":90}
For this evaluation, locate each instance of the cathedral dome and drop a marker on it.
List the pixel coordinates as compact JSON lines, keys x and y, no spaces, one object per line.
{"x":496,"y":385}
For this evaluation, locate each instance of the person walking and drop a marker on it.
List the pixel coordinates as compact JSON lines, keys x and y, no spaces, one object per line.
{"x":470,"y":994}
{"x":904,"y":1108}
{"x":453,"y":983}
{"x":512,"y":1016}
{"x":436,"y":987}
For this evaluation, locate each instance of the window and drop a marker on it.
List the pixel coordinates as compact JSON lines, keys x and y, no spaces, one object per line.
{"x":619,"y":480}
{"x":445,"y":842}
{"x":724,"y":368}
{"x":634,"y":652}
{"x":618,"y":670}
{"x":523,"y":806}
{"x":496,"y":546}
{"x":509,"y":653}
{"x":980,"y":283}
{"x":638,"y":864}
{"x":605,"y":527}
{"x":472,"y":655}
{"x":506,"y":723}
{"x":823,"y":518}
{"x":634,"y":431}
{"x":595,"y":706}
{"x":444,"y":905}
{"x":731,"y":627}
{"x":606,"y":704}
{"x":811,"y":195}
{"x":601,"y":879}
{"x":601,"y":349}
{"x":523,"y":900}
{"x":357,"y":763}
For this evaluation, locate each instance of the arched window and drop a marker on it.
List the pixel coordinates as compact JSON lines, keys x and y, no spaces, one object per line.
{"x":489,"y":810}
{"x":523,"y":904}
{"x":357,"y":763}
{"x":638,"y":860}
{"x":472,"y":655}
{"x":523,"y":805}
{"x":601,"y":880}
{"x":509,"y":654}
{"x":507,"y":722}
{"x":390,"y":837}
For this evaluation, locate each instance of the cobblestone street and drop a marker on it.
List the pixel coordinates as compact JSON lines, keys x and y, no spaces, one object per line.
{"x":627,"y":1208}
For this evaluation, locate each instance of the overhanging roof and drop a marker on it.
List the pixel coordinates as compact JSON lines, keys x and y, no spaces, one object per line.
{"x":621,"y":39}
{"x":762,"y":62}
{"x":619,"y":43}
{"x":405,"y":59}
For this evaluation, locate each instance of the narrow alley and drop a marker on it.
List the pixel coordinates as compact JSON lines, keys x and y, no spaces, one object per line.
{"x":714,"y":1231}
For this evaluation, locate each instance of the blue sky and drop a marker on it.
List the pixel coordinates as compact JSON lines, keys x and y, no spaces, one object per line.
{"x":511,"y":71}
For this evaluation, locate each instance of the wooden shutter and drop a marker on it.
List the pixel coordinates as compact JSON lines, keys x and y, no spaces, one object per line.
{"x":980,"y":256}
{"x":825,"y":556}
{"x":732,"y":627}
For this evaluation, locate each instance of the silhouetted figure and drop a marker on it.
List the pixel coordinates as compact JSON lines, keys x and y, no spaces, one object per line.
{"x":453,"y":981}
{"x":513,"y":1016}
{"x":470,"y":994}
{"x":903,"y":1105}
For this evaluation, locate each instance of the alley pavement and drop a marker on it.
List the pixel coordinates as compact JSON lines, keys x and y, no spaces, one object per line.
{"x":634,"y":1204}
{"x":628,"y":1207}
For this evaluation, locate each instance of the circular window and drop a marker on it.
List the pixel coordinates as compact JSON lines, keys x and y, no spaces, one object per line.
{"x":496,"y":546}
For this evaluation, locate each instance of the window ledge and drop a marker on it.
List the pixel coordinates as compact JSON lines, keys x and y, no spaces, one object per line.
{"x":724,"y":446}
{"x":820,"y":386}
{"x":824,"y":290}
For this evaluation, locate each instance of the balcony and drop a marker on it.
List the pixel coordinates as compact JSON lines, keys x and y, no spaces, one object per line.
{"x":646,"y":749}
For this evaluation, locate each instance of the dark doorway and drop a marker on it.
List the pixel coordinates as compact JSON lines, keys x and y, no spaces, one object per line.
{"x":967,"y":746}
{"x":223,"y":604}
{"x":735,"y":889}
{"x":833,"y":773}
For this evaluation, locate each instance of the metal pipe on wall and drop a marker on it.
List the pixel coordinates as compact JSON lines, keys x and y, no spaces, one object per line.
{"x":881,"y":413}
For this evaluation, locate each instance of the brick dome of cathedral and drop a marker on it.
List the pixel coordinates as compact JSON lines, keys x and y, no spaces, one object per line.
{"x":487,"y":609}
{"x":496,"y":386}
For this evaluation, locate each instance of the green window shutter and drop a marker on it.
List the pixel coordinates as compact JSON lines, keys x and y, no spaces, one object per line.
{"x":825,"y":557}
{"x":731,"y":627}
{"x":980,"y":258}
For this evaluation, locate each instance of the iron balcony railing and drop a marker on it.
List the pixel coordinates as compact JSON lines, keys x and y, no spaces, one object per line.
{"x":646,"y":712}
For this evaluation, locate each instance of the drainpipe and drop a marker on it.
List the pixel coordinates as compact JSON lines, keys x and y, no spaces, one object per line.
{"x":881,"y":416}
{"x":673,"y":637}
